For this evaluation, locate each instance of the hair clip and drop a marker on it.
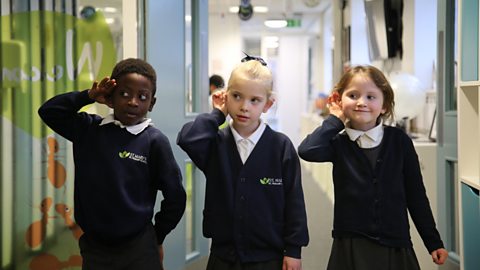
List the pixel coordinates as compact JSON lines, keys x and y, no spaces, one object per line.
{"x":249,"y":57}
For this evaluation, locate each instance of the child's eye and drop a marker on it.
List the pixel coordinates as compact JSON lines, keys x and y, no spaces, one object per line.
{"x":124,"y":94}
{"x":236,"y":96}
{"x":143,"y":97}
{"x":371,"y":97}
{"x":255,"y":100}
{"x":352,"y":95}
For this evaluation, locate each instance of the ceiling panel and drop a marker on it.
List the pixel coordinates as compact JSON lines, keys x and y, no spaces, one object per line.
{"x":278,"y":9}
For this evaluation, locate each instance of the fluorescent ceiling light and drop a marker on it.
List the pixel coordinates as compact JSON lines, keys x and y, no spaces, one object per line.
{"x":256,"y":9}
{"x":275,"y":23}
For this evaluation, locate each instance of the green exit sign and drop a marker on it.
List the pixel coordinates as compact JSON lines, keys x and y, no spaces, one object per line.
{"x":294,"y":23}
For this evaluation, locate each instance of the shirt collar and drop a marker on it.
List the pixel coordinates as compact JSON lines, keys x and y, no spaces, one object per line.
{"x":366,"y":139}
{"x":135,"y":129}
{"x":254,"y":138}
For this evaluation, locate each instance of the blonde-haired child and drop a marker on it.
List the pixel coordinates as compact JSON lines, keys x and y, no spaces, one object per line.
{"x":254,"y":206}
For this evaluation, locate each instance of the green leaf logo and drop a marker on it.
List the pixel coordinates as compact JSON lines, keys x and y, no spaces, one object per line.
{"x":264,"y":181}
{"x":123,"y":154}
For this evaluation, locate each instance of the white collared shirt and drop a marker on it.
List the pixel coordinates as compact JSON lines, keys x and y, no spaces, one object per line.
{"x":135,"y":129}
{"x":366,"y":139}
{"x":245,"y":145}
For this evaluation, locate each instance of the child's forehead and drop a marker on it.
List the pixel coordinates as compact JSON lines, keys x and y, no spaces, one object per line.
{"x":135,"y":79}
{"x":362,"y":85}
{"x":133,"y":76}
{"x":361,"y":80}
{"x":249,"y":87}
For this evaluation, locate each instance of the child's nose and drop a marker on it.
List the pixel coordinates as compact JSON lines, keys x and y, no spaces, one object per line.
{"x":244,"y":106}
{"x":133,"y":101}
{"x":361,"y":101}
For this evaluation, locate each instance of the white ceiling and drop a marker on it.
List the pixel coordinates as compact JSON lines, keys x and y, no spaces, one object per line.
{"x":278,"y":9}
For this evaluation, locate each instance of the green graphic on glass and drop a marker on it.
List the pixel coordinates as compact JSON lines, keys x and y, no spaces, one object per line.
{"x":45,"y":53}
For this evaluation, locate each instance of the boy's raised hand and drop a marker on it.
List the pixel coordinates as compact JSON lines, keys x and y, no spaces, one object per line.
{"x":335,"y":107}
{"x":219,"y":101}
{"x":100,"y":92}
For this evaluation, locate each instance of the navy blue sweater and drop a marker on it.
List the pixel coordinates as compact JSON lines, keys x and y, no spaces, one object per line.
{"x":374,"y":202}
{"x":254,"y":211}
{"x":117,"y":174}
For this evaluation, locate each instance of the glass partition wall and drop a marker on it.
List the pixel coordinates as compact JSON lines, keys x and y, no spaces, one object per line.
{"x":48,"y":47}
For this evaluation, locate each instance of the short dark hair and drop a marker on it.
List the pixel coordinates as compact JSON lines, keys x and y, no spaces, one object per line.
{"x":135,"y":65}
{"x":217,"y":81}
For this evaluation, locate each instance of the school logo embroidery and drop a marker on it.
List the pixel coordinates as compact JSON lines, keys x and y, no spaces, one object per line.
{"x":271,"y":181}
{"x":124,"y":154}
{"x":132,"y":156}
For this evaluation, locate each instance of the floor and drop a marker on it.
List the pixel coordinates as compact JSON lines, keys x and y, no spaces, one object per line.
{"x":320,"y":220}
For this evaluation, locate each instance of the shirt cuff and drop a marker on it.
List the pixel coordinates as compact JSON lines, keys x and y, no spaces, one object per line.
{"x":293,"y":251}
{"x":160,"y":239}
{"x":219,"y":116}
{"x":84,"y":95}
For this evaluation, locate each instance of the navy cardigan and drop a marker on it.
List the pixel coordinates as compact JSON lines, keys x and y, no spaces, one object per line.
{"x":254,"y":211}
{"x":117,"y":174}
{"x":374,"y":202}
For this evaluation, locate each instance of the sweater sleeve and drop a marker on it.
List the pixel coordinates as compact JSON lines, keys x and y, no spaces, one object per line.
{"x":168,"y":179}
{"x":417,"y":201}
{"x":296,"y":231}
{"x":318,"y":145}
{"x":61,"y":114}
{"x":196,"y":137}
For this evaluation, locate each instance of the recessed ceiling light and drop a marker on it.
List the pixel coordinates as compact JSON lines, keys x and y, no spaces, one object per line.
{"x":260,"y":9}
{"x":278,"y":23}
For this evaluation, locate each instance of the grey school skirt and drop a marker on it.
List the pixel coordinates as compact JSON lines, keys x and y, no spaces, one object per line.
{"x":364,"y":254}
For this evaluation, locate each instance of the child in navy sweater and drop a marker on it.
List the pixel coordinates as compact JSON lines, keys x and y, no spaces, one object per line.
{"x":254,"y":206}
{"x":121,"y":161}
{"x":376,"y":177}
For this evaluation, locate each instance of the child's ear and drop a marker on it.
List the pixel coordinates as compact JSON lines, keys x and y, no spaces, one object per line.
{"x":108,"y":101}
{"x":225,"y":96}
{"x":152,"y":103}
{"x":268,"y":105}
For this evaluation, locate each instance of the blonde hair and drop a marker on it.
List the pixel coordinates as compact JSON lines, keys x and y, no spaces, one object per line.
{"x":252,"y":70}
